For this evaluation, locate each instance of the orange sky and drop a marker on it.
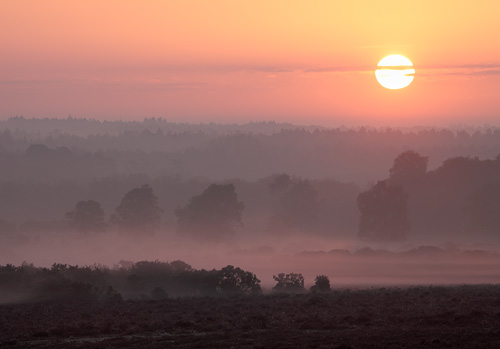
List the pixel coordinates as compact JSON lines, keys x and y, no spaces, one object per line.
{"x":308,"y":62}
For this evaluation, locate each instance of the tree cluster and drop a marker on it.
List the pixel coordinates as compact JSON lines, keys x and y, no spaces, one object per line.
{"x":293,"y":283}
{"x":461,"y":196}
{"x":212,"y":215}
{"x":141,"y":280}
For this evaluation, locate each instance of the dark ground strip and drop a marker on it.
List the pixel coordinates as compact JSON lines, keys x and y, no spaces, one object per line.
{"x":431,"y":317}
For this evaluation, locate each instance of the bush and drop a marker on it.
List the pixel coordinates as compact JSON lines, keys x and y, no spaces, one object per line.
{"x":289,"y":283}
{"x":233,"y":281}
{"x":61,"y":283}
{"x":321,"y":285}
{"x":135,"y":280}
{"x":159,"y":293}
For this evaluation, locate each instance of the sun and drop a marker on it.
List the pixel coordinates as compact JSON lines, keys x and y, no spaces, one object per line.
{"x":395,"y":72}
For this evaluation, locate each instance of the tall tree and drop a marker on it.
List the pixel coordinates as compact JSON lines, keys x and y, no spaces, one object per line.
{"x":280,"y":183}
{"x":233,"y":281}
{"x":408,"y":167}
{"x":87,"y":216}
{"x":138,"y":210}
{"x":297,"y":205}
{"x":384,"y":213}
{"x":213,"y":214}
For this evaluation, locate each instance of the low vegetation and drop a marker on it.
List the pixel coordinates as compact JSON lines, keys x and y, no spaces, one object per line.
{"x":141,"y":280}
{"x":430,"y":317}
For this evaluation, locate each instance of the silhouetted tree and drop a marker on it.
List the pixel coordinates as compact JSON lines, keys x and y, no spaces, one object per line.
{"x":38,"y":150}
{"x":289,"y":283}
{"x":234,"y":281}
{"x":87,"y":216}
{"x":280,"y":183}
{"x":408,"y":167}
{"x":297,"y":205}
{"x":179,"y":266}
{"x":138,"y":210}
{"x":321,"y":284}
{"x":159,"y":293}
{"x":464,"y":170}
{"x":384,"y":213}
{"x":213,"y":214}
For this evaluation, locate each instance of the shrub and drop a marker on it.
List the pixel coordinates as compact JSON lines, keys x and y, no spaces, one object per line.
{"x":159,"y":293}
{"x":289,"y":283}
{"x":321,"y":285}
{"x":234,"y":281}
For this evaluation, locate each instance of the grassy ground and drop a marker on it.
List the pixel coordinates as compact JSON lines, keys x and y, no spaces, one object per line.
{"x":455,"y":317}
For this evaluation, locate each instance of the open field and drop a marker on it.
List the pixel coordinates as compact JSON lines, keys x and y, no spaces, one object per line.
{"x":422,"y":316}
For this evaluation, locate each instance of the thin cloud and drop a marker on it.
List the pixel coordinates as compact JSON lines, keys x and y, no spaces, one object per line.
{"x":487,"y":72}
{"x":425,"y":71}
{"x":108,"y":82}
{"x":473,"y":70}
{"x":460,"y":70}
{"x":358,"y":69}
{"x":464,"y":66}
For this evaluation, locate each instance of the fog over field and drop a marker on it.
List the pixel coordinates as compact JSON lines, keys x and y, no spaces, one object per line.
{"x":358,"y":266}
{"x":363,"y":206}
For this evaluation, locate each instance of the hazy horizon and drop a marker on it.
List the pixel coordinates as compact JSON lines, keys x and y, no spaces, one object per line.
{"x":298,"y":189}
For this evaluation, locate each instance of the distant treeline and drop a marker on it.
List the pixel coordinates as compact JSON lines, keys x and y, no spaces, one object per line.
{"x":86,"y":149}
{"x":86,"y":127}
{"x":461,"y":198}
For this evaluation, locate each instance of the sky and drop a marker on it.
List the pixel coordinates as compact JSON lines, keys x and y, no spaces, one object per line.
{"x":305,"y":62}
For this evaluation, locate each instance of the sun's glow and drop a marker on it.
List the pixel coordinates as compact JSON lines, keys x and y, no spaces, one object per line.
{"x":395,"y":72}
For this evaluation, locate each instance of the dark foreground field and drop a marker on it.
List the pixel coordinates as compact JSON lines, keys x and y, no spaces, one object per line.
{"x":459,"y":316}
